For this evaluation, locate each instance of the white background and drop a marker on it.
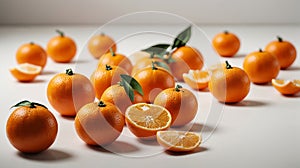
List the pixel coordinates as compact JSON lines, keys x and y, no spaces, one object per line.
{"x":100,"y":11}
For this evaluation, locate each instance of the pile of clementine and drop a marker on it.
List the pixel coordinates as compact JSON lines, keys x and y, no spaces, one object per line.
{"x":143,"y":94}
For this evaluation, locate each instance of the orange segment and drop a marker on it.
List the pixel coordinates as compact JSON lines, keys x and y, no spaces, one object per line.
{"x":178,"y":141}
{"x":144,"y":120}
{"x":286,"y":87}
{"x":197,"y":79}
{"x":25,"y":72}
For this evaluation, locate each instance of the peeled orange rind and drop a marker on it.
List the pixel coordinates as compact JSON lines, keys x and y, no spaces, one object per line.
{"x":178,"y":141}
{"x":197,"y":79}
{"x":26,"y":72}
{"x":286,"y":87}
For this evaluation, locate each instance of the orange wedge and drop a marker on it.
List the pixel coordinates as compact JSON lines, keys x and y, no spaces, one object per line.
{"x":178,"y":141}
{"x":144,"y":120}
{"x":286,"y":87}
{"x":197,"y":79}
{"x":26,"y":72}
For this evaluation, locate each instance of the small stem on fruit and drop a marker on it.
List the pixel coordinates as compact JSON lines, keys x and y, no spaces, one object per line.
{"x":69,"y":72}
{"x":177,"y":88}
{"x":31,"y":43}
{"x":279,"y":39}
{"x":108,"y":67}
{"x":260,"y":50}
{"x":226,"y":32}
{"x":101,"y":104}
{"x":60,"y":33}
{"x":112,"y":52}
{"x":153,"y":66}
{"x":32,"y":105}
{"x":228,"y":66}
{"x":102,"y":34}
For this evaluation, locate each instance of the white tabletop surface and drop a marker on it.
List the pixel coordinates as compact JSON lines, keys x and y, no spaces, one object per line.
{"x":261,"y":131}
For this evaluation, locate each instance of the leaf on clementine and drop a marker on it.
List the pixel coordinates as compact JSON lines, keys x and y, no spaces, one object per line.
{"x":182,"y":38}
{"x":130,"y":85}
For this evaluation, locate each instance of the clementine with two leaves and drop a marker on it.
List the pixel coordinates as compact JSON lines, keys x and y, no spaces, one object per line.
{"x":229,"y":84}
{"x":31,"y":53}
{"x":61,"y":48}
{"x":144,"y":120}
{"x":116,"y":59}
{"x":68,"y":92}
{"x":100,"y":44}
{"x":104,"y":77}
{"x":226,"y":44}
{"x":31,"y":127}
{"x":99,"y":123}
{"x":153,"y":80}
{"x":284,"y":50}
{"x":178,"y":141}
{"x":261,"y":66}
{"x":180,"y":102}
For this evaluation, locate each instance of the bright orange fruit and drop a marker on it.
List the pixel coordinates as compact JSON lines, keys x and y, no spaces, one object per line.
{"x":197,"y":79}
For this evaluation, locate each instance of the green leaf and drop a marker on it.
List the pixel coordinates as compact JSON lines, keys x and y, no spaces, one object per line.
{"x":130,"y":85}
{"x":162,"y":64}
{"x":182,"y":38}
{"x":28,"y":104}
{"x":158,"y":49}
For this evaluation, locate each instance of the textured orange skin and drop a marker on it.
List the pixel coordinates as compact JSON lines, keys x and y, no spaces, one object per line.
{"x":229,"y":85}
{"x":226,"y":44}
{"x":61,"y":49}
{"x":261,"y":67}
{"x":68,"y":93}
{"x":182,"y":105}
{"x":99,"y":125}
{"x":284,"y":51}
{"x":33,"y":54}
{"x":31,"y":130}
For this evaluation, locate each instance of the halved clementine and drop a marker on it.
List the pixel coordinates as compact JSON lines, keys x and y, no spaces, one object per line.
{"x":25,"y":72}
{"x":286,"y":87}
{"x":197,"y":79}
{"x":144,"y":120}
{"x":178,"y":141}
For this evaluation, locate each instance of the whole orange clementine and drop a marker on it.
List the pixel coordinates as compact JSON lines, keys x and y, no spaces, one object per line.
{"x":31,"y":127}
{"x":261,"y":66}
{"x":285,"y":52}
{"x":100,"y":44}
{"x":61,"y":48}
{"x":99,"y":123}
{"x":31,"y":53}
{"x":68,"y":92}
{"x":229,"y":84}
{"x":154,"y":80}
{"x":185,"y":58}
{"x":181,"y":103}
{"x":226,"y":44}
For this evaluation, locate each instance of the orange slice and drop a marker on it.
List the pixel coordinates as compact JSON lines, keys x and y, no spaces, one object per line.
{"x":178,"y":141}
{"x":144,"y":120}
{"x":197,"y":79}
{"x":26,"y":72}
{"x":286,"y":87}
